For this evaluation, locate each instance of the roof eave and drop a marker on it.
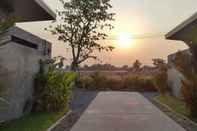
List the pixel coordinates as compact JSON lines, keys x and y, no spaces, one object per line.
{"x":172,"y":34}
{"x":46,"y":8}
{"x":28,"y":10}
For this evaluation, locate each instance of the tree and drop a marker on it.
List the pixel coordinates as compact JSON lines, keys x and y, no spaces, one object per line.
{"x":81,"y":26}
{"x":85,"y":67}
{"x":158,"y":62}
{"x":137,"y":65}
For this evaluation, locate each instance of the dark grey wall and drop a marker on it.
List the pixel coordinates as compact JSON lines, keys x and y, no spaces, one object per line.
{"x":18,"y":67}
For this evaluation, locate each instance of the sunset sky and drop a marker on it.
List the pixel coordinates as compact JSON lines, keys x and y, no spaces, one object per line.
{"x":133,"y":17}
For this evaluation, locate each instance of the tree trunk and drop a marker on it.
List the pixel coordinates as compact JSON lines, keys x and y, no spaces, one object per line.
{"x":74,"y":66}
{"x":193,"y":49}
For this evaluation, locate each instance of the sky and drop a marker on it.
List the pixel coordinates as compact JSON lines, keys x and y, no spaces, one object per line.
{"x":133,"y":17}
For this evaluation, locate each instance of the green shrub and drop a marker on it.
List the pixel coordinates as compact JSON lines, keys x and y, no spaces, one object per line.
{"x":53,"y":90}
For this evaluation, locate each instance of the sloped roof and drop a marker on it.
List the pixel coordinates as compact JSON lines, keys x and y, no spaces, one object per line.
{"x":185,"y":27}
{"x":28,"y":10}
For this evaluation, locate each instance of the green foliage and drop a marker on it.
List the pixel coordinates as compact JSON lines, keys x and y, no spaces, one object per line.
{"x":33,"y":122}
{"x":98,"y":81}
{"x":53,"y":90}
{"x":81,"y":25}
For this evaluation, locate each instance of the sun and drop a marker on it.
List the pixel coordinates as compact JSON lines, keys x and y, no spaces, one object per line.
{"x":125,"y":40}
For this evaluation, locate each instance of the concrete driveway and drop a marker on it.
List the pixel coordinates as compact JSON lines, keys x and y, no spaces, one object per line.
{"x":122,"y":111}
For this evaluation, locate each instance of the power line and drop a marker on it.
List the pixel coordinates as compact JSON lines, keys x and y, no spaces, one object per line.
{"x":140,"y":36}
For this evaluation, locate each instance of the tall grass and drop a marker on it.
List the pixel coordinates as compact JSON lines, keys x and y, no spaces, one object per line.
{"x":98,"y":81}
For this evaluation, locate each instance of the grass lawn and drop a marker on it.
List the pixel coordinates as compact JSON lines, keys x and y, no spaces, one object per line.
{"x":33,"y":122}
{"x":174,"y":103}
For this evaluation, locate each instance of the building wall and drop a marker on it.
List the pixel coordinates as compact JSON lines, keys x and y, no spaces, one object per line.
{"x":2,"y":14}
{"x":18,"y":67}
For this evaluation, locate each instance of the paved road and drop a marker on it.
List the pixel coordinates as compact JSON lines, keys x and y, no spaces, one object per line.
{"x":123,"y":111}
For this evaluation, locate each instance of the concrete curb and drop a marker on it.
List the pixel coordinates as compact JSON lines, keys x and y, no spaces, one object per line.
{"x":58,"y":121}
{"x":170,"y":109}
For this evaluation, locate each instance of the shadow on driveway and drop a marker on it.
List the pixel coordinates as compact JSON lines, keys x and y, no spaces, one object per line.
{"x":82,"y":99}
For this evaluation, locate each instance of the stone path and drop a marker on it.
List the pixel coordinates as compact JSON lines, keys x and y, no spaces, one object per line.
{"x":123,"y":111}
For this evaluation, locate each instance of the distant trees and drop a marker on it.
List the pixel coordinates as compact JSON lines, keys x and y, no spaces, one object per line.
{"x":125,"y":67}
{"x":137,"y":65}
{"x":108,"y":67}
{"x":81,"y":26}
{"x":159,"y":63}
